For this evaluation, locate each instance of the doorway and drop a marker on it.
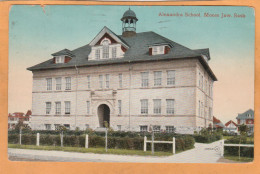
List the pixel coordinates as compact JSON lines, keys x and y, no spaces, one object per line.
{"x":103,"y":115}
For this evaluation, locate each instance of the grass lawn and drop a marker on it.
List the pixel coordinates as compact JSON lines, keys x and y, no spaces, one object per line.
{"x":242,"y":159}
{"x":228,"y":137}
{"x":98,"y":150}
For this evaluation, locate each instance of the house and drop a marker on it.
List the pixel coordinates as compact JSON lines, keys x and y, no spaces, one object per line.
{"x":246,"y":118}
{"x":16,"y":117}
{"x":230,"y":127}
{"x":217,"y":124}
{"x":132,"y":81}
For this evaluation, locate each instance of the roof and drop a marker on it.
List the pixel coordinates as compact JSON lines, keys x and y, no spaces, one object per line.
{"x":204,"y":51}
{"x":64,"y":52}
{"x":229,"y":122}
{"x":245,"y":114}
{"x":137,"y":52}
{"x":217,"y":123}
{"x":129,"y":14}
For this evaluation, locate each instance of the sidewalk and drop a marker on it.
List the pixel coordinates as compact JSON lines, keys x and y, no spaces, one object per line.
{"x":202,"y":153}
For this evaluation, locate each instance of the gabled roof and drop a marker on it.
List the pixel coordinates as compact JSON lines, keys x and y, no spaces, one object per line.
{"x":63,"y":53}
{"x":111,"y":33}
{"x":217,"y":123}
{"x":229,"y":122}
{"x":137,"y":51}
{"x":244,"y":115}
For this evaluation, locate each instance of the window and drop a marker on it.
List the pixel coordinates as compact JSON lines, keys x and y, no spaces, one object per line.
{"x":67,"y":126}
{"x":68,"y":83}
{"x":170,"y":106}
{"x":156,"y":128}
{"x":47,"y":126}
{"x":105,"y":52}
{"x":202,"y":82}
{"x":107,"y":80}
{"x":67,"y":107}
{"x":119,"y":127}
{"x":120,"y":80}
{"x":57,"y":126}
{"x":114,"y":52}
{"x":143,"y":128}
{"x":170,"y":129}
{"x":100,"y":81}
{"x":87,"y":126}
{"x":158,"y":50}
{"x":157,"y":106}
{"x":199,"y":108}
{"x":144,"y":106}
{"x":59,"y":59}
{"x":170,"y":77}
{"x":88,"y":107}
{"x":145,"y":79}
{"x":88,"y":81}
{"x":48,"y":107}
{"x":49,"y":84}
{"x":210,"y":112}
{"x":157,"y":78}
{"x":202,"y":109}
{"x":119,"y":106}
{"x":97,"y":53}
{"x":58,"y":83}
{"x":58,"y":108}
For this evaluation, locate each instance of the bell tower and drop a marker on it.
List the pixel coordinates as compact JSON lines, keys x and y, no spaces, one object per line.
{"x":129,"y":23}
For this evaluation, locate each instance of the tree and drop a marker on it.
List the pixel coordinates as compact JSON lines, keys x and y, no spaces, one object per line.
{"x":243,"y":129}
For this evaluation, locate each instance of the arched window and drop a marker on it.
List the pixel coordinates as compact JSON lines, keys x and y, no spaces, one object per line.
{"x":105,"y":44}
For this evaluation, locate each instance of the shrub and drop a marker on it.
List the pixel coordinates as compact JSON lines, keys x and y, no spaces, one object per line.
{"x":244,"y":151}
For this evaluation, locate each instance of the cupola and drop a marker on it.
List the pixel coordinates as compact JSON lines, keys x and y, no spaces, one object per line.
{"x":129,"y":23}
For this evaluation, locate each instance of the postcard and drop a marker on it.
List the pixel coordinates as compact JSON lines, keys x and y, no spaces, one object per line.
{"x":131,"y":84}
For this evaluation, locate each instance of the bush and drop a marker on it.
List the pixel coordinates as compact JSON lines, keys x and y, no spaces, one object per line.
{"x":116,"y":140}
{"x":244,"y":151}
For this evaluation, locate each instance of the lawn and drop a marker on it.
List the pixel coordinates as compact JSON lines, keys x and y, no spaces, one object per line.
{"x":91,"y":150}
{"x":242,"y":159}
{"x":228,"y":137}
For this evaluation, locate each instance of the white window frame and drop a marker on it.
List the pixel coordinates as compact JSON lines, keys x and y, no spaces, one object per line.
{"x":144,"y":106}
{"x":97,"y":54}
{"x":170,"y":129}
{"x":88,"y":81}
{"x":59,"y":59}
{"x":157,"y":106}
{"x":120,"y":79}
{"x":114,"y":51}
{"x":58,"y":83}
{"x":48,"y":108}
{"x":68,"y":83}
{"x":88,"y":107}
{"x":157,"y":78}
{"x":47,"y":126}
{"x":156,"y":128}
{"x":57,"y":126}
{"x":67,"y":107}
{"x":170,"y":106}
{"x":143,"y":128}
{"x":57,"y":108}
{"x":171,"y":77}
{"x":101,"y":81}
{"x":49,"y":84}
{"x":107,"y":80}
{"x":144,"y":79}
{"x":119,"y":107}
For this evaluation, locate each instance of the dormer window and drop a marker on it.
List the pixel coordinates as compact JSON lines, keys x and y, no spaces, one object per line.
{"x":158,"y":50}
{"x":97,"y":54}
{"x":59,"y":59}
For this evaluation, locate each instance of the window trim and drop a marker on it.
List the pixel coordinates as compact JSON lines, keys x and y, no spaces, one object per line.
{"x":169,"y":110}
{"x":68,"y":83}
{"x":144,"y":106}
{"x":171,"y":80}
{"x":144,"y":80}
{"x":67,"y":107}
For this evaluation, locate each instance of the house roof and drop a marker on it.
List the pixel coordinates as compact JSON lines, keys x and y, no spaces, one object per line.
{"x":64,"y":52}
{"x":217,"y":123}
{"x":129,"y":14}
{"x":245,"y":114}
{"x":138,"y":51}
{"x":229,"y":122}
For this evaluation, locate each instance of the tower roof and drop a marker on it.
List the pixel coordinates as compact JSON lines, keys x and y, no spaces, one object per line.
{"x":129,"y":14}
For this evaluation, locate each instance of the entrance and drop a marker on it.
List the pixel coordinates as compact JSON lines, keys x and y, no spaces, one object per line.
{"x":103,"y":115}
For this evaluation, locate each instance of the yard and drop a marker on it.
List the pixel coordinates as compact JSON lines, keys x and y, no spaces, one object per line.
{"x":97,"y":150}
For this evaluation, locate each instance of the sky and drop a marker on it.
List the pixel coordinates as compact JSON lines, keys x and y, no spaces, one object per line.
{"x":36,"y":32}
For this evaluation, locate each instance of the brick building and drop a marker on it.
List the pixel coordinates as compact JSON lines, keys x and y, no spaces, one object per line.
{"x":132,"y":81}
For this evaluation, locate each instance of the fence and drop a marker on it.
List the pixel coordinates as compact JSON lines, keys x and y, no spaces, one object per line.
{"x":234,"y":145}
{"x":152,"y":141}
